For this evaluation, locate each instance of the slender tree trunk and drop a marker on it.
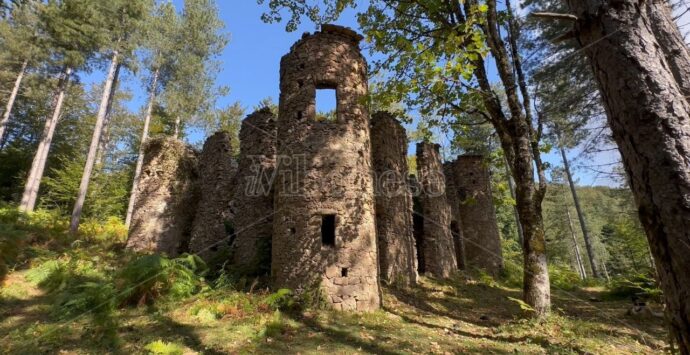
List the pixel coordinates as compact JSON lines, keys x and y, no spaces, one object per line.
{"x":178,"y":122}
{"x":10,"y":101}
{"x":511,"y":186}
{"x":578,"y":257}
{"x":33,"y":182}
{"x":650,"y":120}
{"x":140,"y":158}
{"x":580,"y":216}
{"x":105,"y":136}
{"x":93,"y":148}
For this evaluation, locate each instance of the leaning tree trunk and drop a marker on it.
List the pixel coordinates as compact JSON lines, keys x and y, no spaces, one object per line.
{"x":13,"y":97}
{"x":578,"y":256}
{"x":581,"y":217}
{"x":93,"y":148}
{"x":33,"y":183}
{"x":140,"y":158}
{"x":650,"y":121}
{"x":105,"y":136}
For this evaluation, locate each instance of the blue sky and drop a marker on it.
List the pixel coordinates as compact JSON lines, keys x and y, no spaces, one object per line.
{"x":251,"y":68}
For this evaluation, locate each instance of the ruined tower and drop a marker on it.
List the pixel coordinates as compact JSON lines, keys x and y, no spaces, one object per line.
{"x":217,"y":168}
{"x":324,"y":230}
{"x":482,"y":240}
{"x":253,"y":197}
{"x":397,"y":255}
{"x":455,"y":217}
{"x":437,"y":245}
{"x":166,"y":198}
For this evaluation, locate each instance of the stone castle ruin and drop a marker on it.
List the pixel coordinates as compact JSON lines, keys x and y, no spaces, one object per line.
{"x":325,"y":231}
{"x":394,"y":227}
{"x":319,"y":204}
{"x":214,"y":213}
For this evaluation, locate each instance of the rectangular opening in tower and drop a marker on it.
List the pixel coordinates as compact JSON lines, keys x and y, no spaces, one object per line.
{"x":328,"y":230}
{"x":326,"y":103}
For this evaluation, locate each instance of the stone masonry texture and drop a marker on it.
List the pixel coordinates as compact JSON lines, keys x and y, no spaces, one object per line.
{"x":253,"y":198}
{"x":437,"y":246}
{"x":217,"y":168}
{"x":324,"y":229}
{"x":455,"y":224}
{"x":166,"y":199}
{"x":396,"y":244}
{"x":472,"y":181}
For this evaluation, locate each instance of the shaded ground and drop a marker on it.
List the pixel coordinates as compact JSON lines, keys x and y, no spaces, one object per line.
{"x":460,"y":316}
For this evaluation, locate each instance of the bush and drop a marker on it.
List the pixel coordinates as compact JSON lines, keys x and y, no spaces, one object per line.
{"x":641,"y":285}
{"x":160,"y":347}
{"x":283,"y":299}
{"x":150,"y":277}
{"x":563,"y":278}
{"x":11,"y":242}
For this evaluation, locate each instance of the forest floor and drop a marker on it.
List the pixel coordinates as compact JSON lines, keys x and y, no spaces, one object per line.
{"x":460,"y":316}
{"x":56,"y":299}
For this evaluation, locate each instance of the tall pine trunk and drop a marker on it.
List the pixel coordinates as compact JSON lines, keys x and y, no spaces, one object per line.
{"x":650,"y":120}
{"x":671,"y":41}
{"x":33,"y":182}
{"x":578,"y":256}
{"x":95,"y":141}
{"x":105,"y":136}
{"x":140,"y":158}
{"x":10,"y":102}
{"x":580,"y":216}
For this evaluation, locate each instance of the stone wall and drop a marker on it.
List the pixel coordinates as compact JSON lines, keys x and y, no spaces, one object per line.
{"x":476,"y":209}
{"x":253,"y":198}
{"x":396,"y":244}
{"x":455,"y":224}
{"x":217,"y":168}
{"x":324,"y":230}
{"x":166,"y":198}
{"x":437,"y":245}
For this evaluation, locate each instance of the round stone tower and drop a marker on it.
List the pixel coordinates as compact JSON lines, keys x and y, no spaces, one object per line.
{"x":324,"y":228}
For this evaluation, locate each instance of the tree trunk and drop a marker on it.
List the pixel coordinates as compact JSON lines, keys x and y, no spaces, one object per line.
{"x":178,"y":122}
{"x":140,"y":158}
{"x":536,"y":288}
{"x":33,"y":183}
{"x":578,"y":257}
{"x":581,"y":217}
{"x":671,"y":41}
{"x":93,"y":148}
{"x":10,"y":101}
{"x":650,"y":120}
{"x":105,"y":136}
{"x":511,"y":186}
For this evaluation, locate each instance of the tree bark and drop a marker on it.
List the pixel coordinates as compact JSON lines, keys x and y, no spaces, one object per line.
{"x":650,"y":120}
{"x":581,"y":217}
{"x":511,"y":186}
{"x":178,"y":122}
{"x":33,"y":182}
{"x":671,"y":41}
{"x":105,"y":136}
{"x":93,"y":148}
{"x":140,"y":158}
{"x":578,"y":257}
{"x":11,"y":100}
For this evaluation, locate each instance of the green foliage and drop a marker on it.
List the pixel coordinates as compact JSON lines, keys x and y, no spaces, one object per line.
{"x":282,"y":299}
{"x":151,"y":277}
{"x":563,"y":277}
{"x":159,"y":347}
{"x":11,"y":241}
{"x":640,"y":285}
